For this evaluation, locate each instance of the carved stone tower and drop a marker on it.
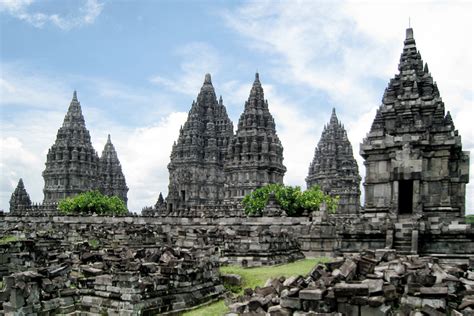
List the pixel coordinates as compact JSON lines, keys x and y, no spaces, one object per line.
{"x":413,"y":154}
{"x":113,"y":181}
{"x":197,"y":158}
{"x":334,"y":168}
{"x":20,"y":199}
{"x":255,"y":154}
{"x":72,"y":164}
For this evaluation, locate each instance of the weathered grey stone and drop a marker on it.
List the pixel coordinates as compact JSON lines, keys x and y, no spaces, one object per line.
{"x":351,"y":289}
{"x":278,"y":310}
{"x":231,"y":279}
{"x":312,"y":294}
{"x":290,"y":302}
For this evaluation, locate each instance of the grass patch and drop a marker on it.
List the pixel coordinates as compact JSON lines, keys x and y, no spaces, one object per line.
{"x":253,"y":277}
{"x":8,"y":239}
{"x":214,"y":309}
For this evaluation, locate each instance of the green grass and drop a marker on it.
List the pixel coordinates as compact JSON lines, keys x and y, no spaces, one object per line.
{"x":214,"y":309}
{"x":8,"y":239}
{"x":254,"y":277}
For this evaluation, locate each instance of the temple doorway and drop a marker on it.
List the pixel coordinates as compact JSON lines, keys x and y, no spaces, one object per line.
{"x":405,"y":196}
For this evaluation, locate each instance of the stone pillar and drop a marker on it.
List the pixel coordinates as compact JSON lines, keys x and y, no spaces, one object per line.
{"x":389,"y":239}
{"x":417,"y":206}
{"x":414,"y":241}
{"x":394,"y":208}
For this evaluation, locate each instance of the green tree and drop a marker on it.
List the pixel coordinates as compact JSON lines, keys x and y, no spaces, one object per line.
{"x":93,"y":202}
{"x":291,"y":199}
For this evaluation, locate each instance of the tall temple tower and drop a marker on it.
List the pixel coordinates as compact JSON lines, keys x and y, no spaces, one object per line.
{"x":72,"y":164}
{"x":334,"y":168}
{"x":255,"y":154}
{"x":413,"y":154}
{"x":197,"y":158}
{"x":20,"y":199}
{"x":113,"y":181}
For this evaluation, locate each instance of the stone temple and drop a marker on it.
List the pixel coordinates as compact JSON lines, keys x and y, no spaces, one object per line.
{"x":197,"y":158}
{"x":255,"y":154}
{"x":413,"y":154}
{"x":210,"y":165}
{"x":20,"y":199}
{"x":73,"y":166}
{"x":334,"y":168}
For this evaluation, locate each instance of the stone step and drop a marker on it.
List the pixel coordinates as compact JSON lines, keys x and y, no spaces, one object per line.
{"x":403,"y":235}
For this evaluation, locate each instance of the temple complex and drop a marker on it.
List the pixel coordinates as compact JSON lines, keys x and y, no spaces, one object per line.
{"x":255,"y":153}
{"x":334,"y":168}
{"x":197,"y":158}
{"x":73,"y":166}
{"x":20,"y":199}
{"x":409,"y":250}
{"x":413,"y":153}
{"x":113,"y":180}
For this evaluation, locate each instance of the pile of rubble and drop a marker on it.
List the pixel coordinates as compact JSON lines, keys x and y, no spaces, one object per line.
{"x":372,"y":283}
{"x":106,"y":281}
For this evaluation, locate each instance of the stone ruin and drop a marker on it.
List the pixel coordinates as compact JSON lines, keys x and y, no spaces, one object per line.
{"x":377,"y":282}
{"x":166,"y":259}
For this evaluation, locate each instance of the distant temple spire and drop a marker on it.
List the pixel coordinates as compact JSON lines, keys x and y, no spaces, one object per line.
{"x":255,"y":153}
{"x":20,"y":200}
{"x":113,"y":180}
{"x":334,"y":168}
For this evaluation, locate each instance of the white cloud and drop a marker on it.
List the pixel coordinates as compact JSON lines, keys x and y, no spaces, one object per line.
{"x":198,"y":58}
{"x":21,"y":9}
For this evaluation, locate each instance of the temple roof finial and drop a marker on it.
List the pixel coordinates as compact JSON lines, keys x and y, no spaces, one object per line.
{"x":207,"y":79}
{"x":74,"y":96}
{"x":257,"y":77}
{"x":108,"y":139}
{"x":409,"y":34}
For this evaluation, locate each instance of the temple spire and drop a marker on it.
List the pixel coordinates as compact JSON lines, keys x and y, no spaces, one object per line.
{"x":20,"y":200}
{"x":256,"y":140}
{"x":334,"y":168}
{"x":74,"y":96}
{"x":113,"y":179}
{"x":333,"y":120}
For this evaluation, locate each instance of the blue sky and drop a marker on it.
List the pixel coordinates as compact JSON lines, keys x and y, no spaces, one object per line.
{"x":137,"y":66}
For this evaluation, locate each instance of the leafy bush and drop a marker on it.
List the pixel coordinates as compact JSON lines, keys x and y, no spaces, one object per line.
{"x":93,"y":202}
{"x":291,"y":199}
{"x":470,"y":219}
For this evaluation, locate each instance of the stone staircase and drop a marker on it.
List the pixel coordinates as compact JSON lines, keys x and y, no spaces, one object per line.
{"x":403,"y":235}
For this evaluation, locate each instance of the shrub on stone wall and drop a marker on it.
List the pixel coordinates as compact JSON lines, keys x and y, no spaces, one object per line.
{"x":290,"y":198}
{"x":92,"y":202}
